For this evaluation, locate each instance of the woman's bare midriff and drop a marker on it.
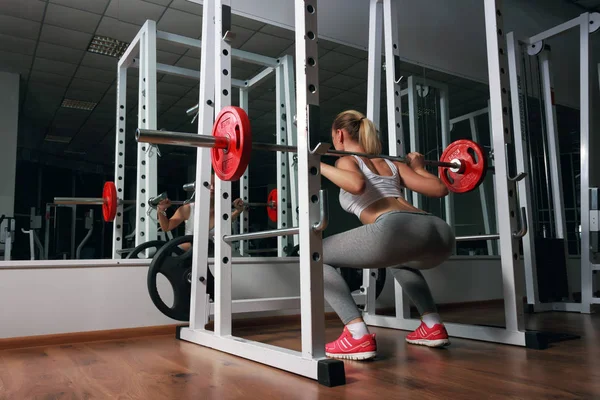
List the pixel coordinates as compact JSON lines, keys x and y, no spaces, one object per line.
{"x":382,"y":206}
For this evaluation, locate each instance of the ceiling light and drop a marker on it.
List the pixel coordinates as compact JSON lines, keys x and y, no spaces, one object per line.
{"x":78,"y":104}
{"x":57,"y":139}
{"x":107,"y":46}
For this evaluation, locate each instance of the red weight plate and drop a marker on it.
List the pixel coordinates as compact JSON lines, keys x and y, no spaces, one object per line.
{"x":272,"y":211}
{"x":233,"y":124}
{"x":474,"y":162}
{"x":109,"y":196}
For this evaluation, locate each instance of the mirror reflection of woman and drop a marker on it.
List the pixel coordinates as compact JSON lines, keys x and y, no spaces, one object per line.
{"x":185,"y":213}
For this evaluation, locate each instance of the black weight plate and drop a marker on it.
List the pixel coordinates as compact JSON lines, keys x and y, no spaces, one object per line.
{"x":176,"y":265}
{"x":153,"y":244}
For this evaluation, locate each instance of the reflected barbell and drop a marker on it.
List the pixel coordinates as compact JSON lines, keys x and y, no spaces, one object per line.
{"x":109,"y":201}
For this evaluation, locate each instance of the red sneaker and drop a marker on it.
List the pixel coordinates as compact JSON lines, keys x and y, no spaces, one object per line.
{"x":346,"y":347}
{"x":436,"y":336}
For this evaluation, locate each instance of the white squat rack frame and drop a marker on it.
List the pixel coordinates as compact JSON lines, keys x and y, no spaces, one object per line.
{"x":414,"y":82}
{"x":586,"y":23}
{"x":216,"y":61}
{"x":487,"y":214}
{"x":505,"y":187}
{"x":141,"y":54}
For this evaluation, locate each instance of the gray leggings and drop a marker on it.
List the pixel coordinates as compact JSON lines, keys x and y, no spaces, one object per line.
{"x":404,"y":241}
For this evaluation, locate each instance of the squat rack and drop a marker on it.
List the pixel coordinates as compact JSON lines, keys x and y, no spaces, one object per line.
{"x":310,"y":361}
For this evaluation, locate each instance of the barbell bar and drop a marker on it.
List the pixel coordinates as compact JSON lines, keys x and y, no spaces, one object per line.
{"x":195,"y":140}
{"x":154,"y":201}
{"x":109,"y":201}
{"x":463,"y":164}
{"x":86,"y":201}
{"x":269,"y":204}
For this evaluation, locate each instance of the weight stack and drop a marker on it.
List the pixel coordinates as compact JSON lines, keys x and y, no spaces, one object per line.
{"x":551,"y":263}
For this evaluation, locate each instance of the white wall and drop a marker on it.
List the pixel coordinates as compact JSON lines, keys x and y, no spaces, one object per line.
{"x":9,"y":119}
{"x":51,"y":301}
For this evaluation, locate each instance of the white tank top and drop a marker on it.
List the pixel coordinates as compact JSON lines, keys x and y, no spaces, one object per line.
{"x":377,"y":187}
{"x":189,"y":224}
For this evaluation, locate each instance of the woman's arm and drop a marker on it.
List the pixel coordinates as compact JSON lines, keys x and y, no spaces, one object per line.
{"x":346,"y":174}
{"x":168,"y":224}
{"x":238,"y":205}
{"x":416,"y":178}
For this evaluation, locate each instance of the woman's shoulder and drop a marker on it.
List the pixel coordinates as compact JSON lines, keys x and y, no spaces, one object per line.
{"x":348,"y":161}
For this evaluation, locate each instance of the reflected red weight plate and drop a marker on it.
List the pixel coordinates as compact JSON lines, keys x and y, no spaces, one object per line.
{"x":109,"y":207}
{"x":233,"y":124}
{"x":474,"y":166}
{"x":272,"y":211}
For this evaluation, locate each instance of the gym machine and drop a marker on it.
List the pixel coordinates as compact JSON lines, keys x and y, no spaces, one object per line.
{"x":52,"y":221}
{"x":35,"y":223}
{"x":545,"y":287}
{"x":7,"y":234}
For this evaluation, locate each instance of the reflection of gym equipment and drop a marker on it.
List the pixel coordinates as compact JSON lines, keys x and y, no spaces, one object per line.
{"x":35,"y":223}
{"x":7,"y":234}
{"x":140,"y":251}
{"x":89,"y":225}
{"x":109,"y":201}
{"x":175,"y":264}
{"x":52,"y":231}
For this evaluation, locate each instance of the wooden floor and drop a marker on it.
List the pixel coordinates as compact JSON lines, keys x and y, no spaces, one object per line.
{"x":162,"y":367}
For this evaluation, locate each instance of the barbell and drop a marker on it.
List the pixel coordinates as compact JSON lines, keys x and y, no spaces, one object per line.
{"x":270,"y":204}
{"x":109,"y":201}
{"x":463,"y":164}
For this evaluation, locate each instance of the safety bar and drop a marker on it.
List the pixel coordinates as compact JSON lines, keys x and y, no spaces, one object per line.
{"x":189,"y":187}
{"x":323,"y":212}
{"x":317,"y":227}
{"x":477,"y":237}
{"x":517,"y":235}
{"x":261,"y":235}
